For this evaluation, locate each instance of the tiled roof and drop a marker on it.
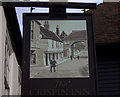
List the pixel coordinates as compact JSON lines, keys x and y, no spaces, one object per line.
{"x":77,"y":35}
{"x":63,"y":35}
{"x":46,"y":34}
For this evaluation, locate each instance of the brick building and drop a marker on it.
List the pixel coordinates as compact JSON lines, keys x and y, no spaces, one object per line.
{"x":107,"y":36}
{"x":107,"y":23}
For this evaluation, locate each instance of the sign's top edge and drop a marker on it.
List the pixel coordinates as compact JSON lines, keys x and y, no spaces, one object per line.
{"x":47,"y":4}
{"x":34,"y":1}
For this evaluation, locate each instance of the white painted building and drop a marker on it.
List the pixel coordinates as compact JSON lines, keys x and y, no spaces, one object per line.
{"x":45,"y":45}
{"x":10,"y":71}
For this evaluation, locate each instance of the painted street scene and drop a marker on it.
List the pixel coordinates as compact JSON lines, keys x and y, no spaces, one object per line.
{"x":58,"y":49}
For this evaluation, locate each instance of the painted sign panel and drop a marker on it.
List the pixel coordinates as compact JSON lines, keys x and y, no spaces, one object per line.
{"x":58,"y":46}
{"x":58,"y":55}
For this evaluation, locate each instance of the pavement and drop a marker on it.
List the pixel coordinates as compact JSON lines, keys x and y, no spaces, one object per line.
{"x":35,"y":69}
{"x":68,"y":69}
{"x":65,"y":66}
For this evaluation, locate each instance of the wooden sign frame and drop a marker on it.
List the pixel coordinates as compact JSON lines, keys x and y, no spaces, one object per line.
{"x":58,"y":86}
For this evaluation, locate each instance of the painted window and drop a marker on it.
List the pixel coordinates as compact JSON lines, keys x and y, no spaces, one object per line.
{"x":33,"y":57}
{"x":52,"y":44}
{"x":56,"y":45}
{"x":57,"y":55}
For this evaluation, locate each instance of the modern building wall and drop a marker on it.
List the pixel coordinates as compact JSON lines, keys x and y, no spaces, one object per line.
{"x":0,"y":52}
{"x":2,"y":49}
{"x":14,"y":76}
{"x":9,"y":67}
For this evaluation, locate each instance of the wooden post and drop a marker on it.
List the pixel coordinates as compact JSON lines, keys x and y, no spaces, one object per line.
{"x":57,"y":6}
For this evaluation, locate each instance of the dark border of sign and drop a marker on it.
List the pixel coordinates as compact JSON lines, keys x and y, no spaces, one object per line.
{"x":38,"y":84}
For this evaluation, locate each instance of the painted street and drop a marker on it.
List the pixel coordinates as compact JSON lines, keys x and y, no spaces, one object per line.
{"x":67,"y":69}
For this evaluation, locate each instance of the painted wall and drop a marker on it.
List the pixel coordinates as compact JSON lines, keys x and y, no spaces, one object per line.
{"x":58,"y":47}
{"x":43,"y":44}
{"x":35,"y":27}
{"x":43,"y":48}
{"x":39,"y":57}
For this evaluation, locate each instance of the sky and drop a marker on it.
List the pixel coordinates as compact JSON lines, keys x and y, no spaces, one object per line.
{"x":65,"y":25}
{"x":21,"y":10}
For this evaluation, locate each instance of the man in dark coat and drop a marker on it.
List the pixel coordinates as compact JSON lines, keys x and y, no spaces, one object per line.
{"x":71,"y":57}
{"x":78,"y":57}
{"x":52,"y":65}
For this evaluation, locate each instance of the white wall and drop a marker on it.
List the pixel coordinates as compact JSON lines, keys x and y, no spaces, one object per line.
{"x":1,"y":52}
{"x":14,"y":89}
{"x":13,"y":75}
{"x":2,"y":49}
{"x":55,"y":48}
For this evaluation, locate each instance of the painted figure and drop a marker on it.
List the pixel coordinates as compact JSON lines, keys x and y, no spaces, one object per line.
{"x":78,"y":57}
{"x":71,"y":57}
{"x":52,"y":65}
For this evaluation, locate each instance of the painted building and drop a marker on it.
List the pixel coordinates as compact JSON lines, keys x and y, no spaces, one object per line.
{"x":75,"y":42}
{"x":45,"y":44}
{"x":63,"y":35}
{"x":10,"y":69}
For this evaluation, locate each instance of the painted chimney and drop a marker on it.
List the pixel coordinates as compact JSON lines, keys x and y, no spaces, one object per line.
{"x":57,"y":30}
{"x":46,"y":25}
